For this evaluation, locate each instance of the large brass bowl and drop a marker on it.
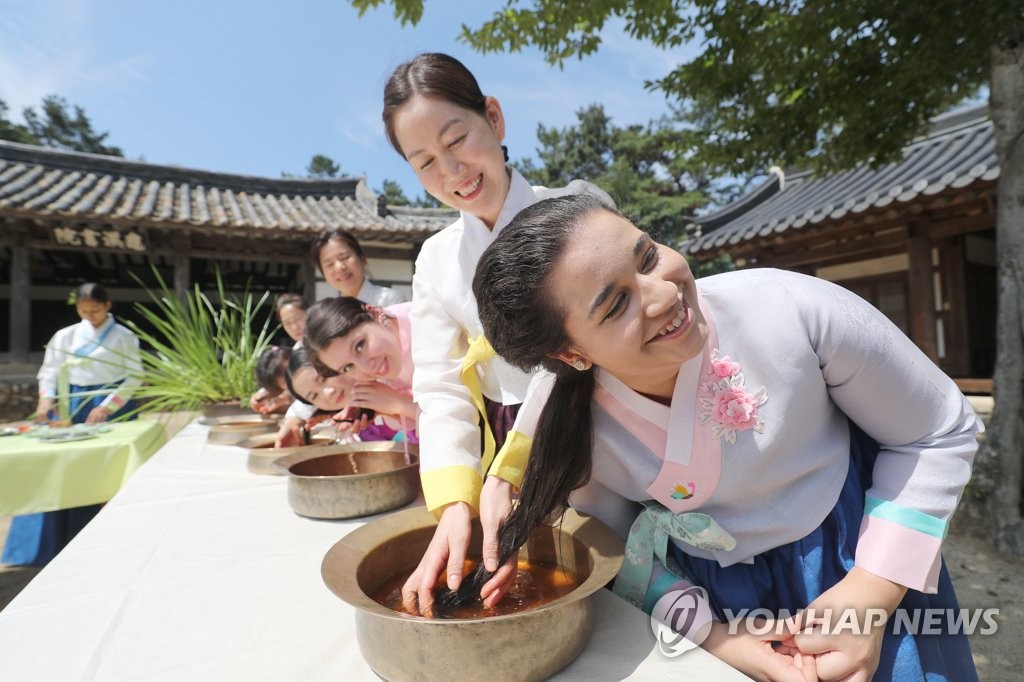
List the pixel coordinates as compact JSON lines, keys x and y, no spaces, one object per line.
{"x":233,"y":429}
{"x":355,"y":479}
{"x":528,"y":645}
{"x":262,"y":453}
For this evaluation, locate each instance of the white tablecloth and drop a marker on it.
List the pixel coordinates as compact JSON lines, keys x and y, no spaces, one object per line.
{"x":199,"y":570}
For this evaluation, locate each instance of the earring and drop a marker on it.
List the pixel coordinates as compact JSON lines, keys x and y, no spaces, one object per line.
{"x":579,"y":365}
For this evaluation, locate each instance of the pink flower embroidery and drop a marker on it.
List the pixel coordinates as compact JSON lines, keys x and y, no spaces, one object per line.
{"x":725,"y":367}
{"x":727,"y":402}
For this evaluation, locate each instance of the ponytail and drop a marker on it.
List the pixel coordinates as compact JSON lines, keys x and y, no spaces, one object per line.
{"x":560,"y":459}
{"x":559,"y":463}
{"x":526,"y":327}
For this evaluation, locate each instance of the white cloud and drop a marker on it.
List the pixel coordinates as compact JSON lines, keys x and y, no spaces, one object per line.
{"x":59,"y":58}
{"x":361,"y":128}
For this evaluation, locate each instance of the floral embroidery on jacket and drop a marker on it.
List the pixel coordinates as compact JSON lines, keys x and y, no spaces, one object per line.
{"x":727,"y":402}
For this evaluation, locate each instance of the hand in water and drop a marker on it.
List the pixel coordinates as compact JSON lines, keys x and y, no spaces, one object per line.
{"x":447,"y":551}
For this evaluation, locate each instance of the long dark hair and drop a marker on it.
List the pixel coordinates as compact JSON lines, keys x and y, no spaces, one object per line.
{"x":525,"y":327}
{"x":302,"y":357}
{"x":271,"y":366}
{"x":330,"y":319}
{"x":430,"y":74}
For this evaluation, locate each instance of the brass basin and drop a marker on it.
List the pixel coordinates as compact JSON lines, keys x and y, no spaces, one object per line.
{"x":527,"y":645}
{"x":355,"y":479}
{"x":262,"y":453}
{"x":231,"y":430}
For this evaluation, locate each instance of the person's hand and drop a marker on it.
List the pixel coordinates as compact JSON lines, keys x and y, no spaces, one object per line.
{"x":845,"y":653}
{"x":279,"y":403}
{"x":381,"y":398}
{"x":350,"y":420}
{"x":257,"y":399}
{"x":447,"y":549}
{"x":495,"y":504}
{"x":97,"y":415}
{"x":772,"y":656}
{"x":317,"y":419}
{"x":289,"y":435}
{"x":44,"y":406}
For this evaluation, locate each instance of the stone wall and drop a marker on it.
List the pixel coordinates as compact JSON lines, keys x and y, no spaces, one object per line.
{"x":18,"y":397}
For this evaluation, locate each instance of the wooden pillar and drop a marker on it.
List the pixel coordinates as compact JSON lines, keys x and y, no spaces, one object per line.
{"x":308,"y":277}
{"x":922,"y":297}
{"x":952,"y":258}
{"x":20,"y":308}
{"x":182,"y":275}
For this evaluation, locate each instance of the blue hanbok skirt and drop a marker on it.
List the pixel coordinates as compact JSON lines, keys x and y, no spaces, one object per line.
{"x":788,"y":578}
{"x":34,"y":539}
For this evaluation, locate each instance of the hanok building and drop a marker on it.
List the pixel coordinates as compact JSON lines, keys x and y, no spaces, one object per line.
{"x":68,"y":218}
{"x":916,"y":238}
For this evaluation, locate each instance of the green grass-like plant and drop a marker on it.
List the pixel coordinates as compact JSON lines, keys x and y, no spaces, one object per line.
{"x":200,"y":352}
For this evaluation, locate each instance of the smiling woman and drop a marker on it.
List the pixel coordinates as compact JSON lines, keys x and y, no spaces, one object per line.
{"x":792,"y":441}
{"x":341,"y":260}
{"x":450,"y":133}
{"x":368,"y":347}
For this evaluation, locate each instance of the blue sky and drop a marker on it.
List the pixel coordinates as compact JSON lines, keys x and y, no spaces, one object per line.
{"x":259,"y":87}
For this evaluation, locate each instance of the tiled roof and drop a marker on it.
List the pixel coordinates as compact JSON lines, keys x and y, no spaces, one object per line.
{"x":37,"y":182}
{"x":958,"y":152}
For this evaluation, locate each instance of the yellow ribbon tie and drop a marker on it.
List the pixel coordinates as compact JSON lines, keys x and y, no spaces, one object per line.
{"x":480,"y":350}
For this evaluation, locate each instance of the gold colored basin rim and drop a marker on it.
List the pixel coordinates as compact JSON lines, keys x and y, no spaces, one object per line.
{"x":340,"y":566}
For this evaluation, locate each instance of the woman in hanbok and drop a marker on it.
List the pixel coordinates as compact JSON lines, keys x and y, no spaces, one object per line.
{"x":96,"y":363}
{"x":767,"y":436}
{"x":451,"y":134}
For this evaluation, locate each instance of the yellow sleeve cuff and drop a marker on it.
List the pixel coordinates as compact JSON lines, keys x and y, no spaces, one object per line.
{"x":510,"y":462}
{"x":450,"y":484}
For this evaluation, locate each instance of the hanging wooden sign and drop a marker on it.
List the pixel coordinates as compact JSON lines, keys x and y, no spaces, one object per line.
{"x":95,"y":238}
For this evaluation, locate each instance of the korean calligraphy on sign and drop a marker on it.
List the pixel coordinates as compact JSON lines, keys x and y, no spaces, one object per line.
{"x":106,"y":238}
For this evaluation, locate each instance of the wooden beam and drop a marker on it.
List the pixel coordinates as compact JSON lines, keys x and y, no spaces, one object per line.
{"x":962,"y":225}
{"x":951,"y":267}
{"x":182,"y":268}
{"x":308,"y":276}
{"x":838,"y":251}
{"x":922,"y":305}
{"x":20,"y":311}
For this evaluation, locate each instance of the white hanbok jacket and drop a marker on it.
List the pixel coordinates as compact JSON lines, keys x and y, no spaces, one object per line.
{"x":757,"y":434}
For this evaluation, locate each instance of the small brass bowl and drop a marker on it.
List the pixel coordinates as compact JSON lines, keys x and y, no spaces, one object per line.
{"x":355,"y":479}
{"x":262,"y":453}
{"x":526,"y":645}
{"x":231,"y":430}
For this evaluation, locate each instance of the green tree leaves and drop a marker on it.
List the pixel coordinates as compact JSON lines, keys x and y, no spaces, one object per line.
{"x":647,"y":169}
{"x":57,"y":124}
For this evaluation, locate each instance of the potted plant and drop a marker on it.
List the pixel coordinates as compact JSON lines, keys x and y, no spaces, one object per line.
{"x":200,"y":354}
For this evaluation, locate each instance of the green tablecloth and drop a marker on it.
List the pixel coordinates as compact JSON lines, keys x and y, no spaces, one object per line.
{"x":36,"y":476}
